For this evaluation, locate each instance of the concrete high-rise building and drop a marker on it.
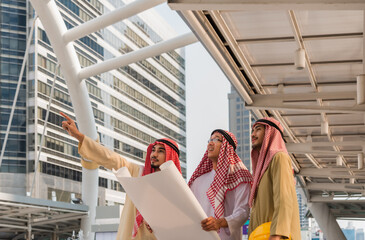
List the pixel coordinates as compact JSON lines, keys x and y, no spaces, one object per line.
{"x":132,"y":105}
{"x":240,"y":122}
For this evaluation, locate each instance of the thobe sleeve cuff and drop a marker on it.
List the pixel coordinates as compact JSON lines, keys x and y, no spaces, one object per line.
{"x":231,"y":225}
{"x":87,"y":163}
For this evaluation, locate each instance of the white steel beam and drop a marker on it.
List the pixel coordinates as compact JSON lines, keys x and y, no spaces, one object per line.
{"x":306,"y":96}
{"x":325,"y":152}
{"x":340,"y":200}
{"x":138,"y":55}
{"x":309,"y":145}
{"x":351,"y":214}
{"x":337,"y":187}
{"x":299,"y":39}
{"x":66,"y":55}
{"x":107,"y":19}
{"x":363,"y":44}
{"x":331,"y":172}
{"x":254,"y":5}
{"x":316,"y":109}
{"x":12,"y":226}
{"x":237,"y":51}
{"x":55,"y":219}
{"x":288,"y":102}
{"x":332,"y":126}
{"x":218,"y":51}
{"x":360,"y":89}
{"x":360,"y":81}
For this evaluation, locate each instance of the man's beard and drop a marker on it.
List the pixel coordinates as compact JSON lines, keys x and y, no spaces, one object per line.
{"x":155,"y":167}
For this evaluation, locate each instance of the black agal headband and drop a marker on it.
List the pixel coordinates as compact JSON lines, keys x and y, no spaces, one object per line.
{"x":272,"y":125}
{"x":170,"y":144}
{"x":226,"y":136}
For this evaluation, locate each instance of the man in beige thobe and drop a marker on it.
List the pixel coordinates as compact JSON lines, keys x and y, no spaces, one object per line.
{"x":132,"y":225}
{"x":273,"y":196}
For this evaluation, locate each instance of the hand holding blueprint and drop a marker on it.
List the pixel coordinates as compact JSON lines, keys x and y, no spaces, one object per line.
{"x":166,"y":203}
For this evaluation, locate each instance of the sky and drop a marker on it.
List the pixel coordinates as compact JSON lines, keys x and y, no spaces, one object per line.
{"x":207,"y":91}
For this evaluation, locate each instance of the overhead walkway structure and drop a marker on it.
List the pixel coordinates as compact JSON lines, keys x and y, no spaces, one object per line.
{"x":301,"y":62}
{"x":24,"y":217}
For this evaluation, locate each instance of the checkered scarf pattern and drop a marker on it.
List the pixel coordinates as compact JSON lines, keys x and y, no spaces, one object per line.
{"x":272,"y":144}
{"x":171,"y":155}
{"x":230,"y":173}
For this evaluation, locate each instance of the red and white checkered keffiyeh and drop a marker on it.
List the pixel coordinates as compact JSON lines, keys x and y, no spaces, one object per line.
{"x":272,"y":144}
{"x":230,"y":173}
{"x":171,"y":155}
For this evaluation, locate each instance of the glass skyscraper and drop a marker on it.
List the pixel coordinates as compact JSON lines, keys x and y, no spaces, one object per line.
{"x":132,"y":105}
{"x":240,"y":122}
{"x":303,"y":209}
{"x":13,"y":30}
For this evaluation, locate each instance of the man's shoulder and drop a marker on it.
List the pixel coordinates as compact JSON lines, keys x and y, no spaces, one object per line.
{"x":280,"y":157}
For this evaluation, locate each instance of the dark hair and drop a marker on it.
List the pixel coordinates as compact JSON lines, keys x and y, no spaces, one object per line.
{"x":272,"y":125}
{"x":226,"y":136}
{"x":170,"y":144}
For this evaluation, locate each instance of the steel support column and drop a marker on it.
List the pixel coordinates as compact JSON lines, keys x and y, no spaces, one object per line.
{"x":54,"y":25}
{"x":326,"y":221}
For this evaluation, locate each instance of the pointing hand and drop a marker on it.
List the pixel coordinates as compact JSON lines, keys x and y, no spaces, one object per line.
{"x":70,"y":126}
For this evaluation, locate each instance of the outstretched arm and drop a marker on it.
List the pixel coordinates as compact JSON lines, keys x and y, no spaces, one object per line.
{"x":92,"y":151}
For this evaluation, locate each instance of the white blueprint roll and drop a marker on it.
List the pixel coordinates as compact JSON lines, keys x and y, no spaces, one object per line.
{"x":166,"y":203}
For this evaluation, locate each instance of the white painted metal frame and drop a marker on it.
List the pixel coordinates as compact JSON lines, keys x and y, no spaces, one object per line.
{"x":61,"y":40}
{"x":249,"y":5}
{"x":27,"y":215}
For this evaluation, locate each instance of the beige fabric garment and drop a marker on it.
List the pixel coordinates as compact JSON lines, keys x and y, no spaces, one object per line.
{"x":93,"y":151}
{"x":276,"y":200}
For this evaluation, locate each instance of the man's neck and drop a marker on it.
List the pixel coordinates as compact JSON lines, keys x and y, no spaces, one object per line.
{"x":214,"y":164}
{"x":157,"y":169}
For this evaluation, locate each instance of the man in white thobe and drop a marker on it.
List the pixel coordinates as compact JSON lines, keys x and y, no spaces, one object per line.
{"x":222,"y":185}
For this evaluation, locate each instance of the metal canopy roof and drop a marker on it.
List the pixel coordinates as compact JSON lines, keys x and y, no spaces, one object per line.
{"x":255,"y":44}
{"x":18,"y":214}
